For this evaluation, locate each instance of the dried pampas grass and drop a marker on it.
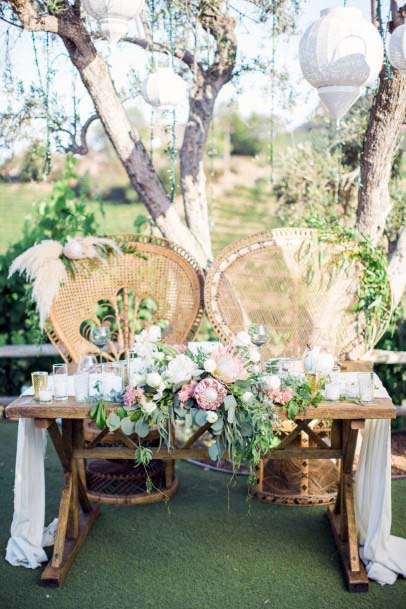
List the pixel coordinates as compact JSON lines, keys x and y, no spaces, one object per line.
{"x":44,"y":267}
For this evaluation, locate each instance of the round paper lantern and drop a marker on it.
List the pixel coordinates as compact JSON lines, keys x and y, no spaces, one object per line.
{"x":113,"y":15}
{"x":340,"y":54}
{"x":397,"y":48}
{"x":164,"y":87}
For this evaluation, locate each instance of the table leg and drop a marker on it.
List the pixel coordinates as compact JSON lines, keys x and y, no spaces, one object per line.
{"x":76,"y":513}
{"x":342,"y":514}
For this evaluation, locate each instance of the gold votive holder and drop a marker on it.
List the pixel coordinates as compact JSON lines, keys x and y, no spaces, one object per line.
{"x":39,"y":381}
{"x":315,"y":381}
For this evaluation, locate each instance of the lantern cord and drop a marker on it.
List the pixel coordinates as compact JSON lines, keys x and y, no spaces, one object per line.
{"x":382,"y":31}
{"x":152,"y":67}
{"x":46,"y":167}
{"x":339,"y":160}
{"x":272,"y":100}
{"x":172,"y":150}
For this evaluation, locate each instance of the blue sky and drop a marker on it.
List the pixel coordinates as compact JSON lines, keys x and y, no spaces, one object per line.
{"x":254,"y":89}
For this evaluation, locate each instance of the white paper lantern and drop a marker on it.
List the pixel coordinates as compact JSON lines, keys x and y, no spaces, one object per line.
{"x":113,"y":16}
{"x":164,"y":87}
{"x":340,"y":54}
{"x":397,"y":48}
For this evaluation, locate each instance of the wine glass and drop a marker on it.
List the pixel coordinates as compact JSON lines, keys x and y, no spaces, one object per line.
{"x":86,"y":363}
{"x":259,"y":334}
{"x":100,"y":336}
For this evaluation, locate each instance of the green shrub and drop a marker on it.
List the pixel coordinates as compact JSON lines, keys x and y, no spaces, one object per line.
{"x":63,"y":215}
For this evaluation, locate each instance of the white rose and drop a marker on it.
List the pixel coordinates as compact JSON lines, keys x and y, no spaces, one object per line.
{"x":154,"y":334}
{"x":148,"y":407}
{"x":137,"y":379}
{"x":255,"y":369}
{"x":181,"y":370}
{"x":212,"y":417}
{"x":242,"y":339}
{"x":209,"y":365}
{"x":247,"y":397}
{"x":272,"y":382}
{"x":254,"y":356}
{"x":159,"y":356}
{"x":154,"y":379}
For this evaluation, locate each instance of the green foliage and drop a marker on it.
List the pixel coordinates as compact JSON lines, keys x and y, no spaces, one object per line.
{"x":247,"y":137}
{"x":32,"y":167}
{"x":62,"y":215}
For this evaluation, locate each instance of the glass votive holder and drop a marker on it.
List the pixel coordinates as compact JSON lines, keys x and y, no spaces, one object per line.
{"x":39,"y":381}
{"x":315,"y":381}
{"x":366,"y":386}
{"x":112,"y":379}
{"x":352,"y":390}
{"x":95,"y":380}
{"x":332,"y":391}
{"x":81,"y":386}
{"x":60,"y":380}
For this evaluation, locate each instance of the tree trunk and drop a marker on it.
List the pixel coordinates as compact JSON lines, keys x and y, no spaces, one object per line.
{"x":385,"y":122}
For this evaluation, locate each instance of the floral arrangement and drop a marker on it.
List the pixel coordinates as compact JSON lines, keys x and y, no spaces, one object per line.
{"x":225,"y":391}
{"x":47,"y":264}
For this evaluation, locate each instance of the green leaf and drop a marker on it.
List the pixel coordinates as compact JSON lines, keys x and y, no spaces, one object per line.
{"x":127,"y":426}
{"x":113,"y":421}
{"x":201,"y":417}
{"x":142,"y":428}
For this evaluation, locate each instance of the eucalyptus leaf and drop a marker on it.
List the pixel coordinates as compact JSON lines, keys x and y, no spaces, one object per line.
{"x":127,"y":426}
{"x":201,"y":417}
{"x":141,"y":428}
{"x":214,"y":452}
{"x":218,"y":425}
{"x":113,"y":421}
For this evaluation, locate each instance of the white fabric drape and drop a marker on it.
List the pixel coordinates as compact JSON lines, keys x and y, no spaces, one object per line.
{"x":383,"y":554}
{"x":25,"y":546}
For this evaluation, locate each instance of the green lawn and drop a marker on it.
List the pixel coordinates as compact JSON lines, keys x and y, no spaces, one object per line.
{"x":16,"y":202}
{"x":200,"y":556}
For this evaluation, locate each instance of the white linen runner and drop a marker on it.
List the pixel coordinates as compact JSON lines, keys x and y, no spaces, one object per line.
{"x":25,"y":546}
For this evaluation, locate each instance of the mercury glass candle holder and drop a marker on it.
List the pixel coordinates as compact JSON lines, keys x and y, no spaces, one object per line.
{"x":39,"y":382}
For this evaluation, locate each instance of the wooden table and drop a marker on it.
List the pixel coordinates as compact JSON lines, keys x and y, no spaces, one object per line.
{"x":77,"y":514}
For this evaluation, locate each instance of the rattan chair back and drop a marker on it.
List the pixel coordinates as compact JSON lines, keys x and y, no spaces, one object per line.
{"x":294,"y":283}
{"x":154,"y":281}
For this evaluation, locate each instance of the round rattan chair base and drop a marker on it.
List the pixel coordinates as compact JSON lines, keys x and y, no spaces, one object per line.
{"x":298,"y":482}
{"x":124,"y":483}
{"x":294,"y":500}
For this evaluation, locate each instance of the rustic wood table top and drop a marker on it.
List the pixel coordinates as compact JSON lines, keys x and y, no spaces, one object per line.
{"x":26,"y":407}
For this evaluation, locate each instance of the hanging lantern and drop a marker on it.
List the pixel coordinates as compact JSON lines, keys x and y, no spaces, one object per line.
{"x":397,"y":48}
{"x":164,"y":87}
{"x":340,"y":54}
{"x":113,"y":16}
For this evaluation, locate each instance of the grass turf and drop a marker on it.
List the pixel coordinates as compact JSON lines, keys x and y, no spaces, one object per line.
{"x":199,"y":556}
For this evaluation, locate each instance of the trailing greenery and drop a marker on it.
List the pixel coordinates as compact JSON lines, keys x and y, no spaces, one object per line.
{"x":374,"y":295}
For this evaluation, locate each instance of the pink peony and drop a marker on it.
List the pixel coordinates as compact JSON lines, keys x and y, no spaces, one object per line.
{"x":132,"y":396}
{"x":187,"y":392}
{"x":209,"y":394}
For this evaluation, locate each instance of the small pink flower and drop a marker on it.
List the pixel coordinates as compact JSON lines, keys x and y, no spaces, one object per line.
{"x":209,"y":394}
{"x":187,"y":392}
{"x":280,"y":397}
{"x":287,"y":395}
{"x":132,"y":396}
{"x":180,"y":348}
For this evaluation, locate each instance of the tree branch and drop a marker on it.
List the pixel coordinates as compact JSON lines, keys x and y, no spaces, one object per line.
{"x":182,"y":54}
{"x":82,"y":147}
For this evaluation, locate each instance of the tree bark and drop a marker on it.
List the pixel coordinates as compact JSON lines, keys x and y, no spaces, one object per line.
{"x":397,"y":268}
{"x":387,"y":116}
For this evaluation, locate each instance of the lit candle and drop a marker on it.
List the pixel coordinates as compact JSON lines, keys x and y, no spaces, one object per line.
{"x":332,"y":391}
{"x":45,"y":395}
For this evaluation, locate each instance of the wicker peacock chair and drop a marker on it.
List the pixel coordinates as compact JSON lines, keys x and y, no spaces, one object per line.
{"x":303,"y":289}
{"x":153,"y":281}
